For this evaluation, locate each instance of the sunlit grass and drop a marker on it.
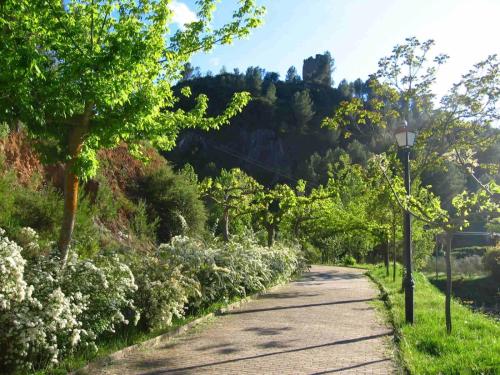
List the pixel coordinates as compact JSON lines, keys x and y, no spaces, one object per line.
{"x":472,"y":348}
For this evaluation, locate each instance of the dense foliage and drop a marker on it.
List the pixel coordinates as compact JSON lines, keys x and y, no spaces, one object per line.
{"x":174,"y":200}
{"x":47,"y":312}
{"x":88,"y":75}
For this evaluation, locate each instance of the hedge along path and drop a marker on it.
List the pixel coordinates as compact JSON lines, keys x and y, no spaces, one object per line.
{"x":322,"y":323}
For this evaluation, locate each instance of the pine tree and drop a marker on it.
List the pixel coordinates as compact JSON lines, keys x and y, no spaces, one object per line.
{"x":302,"y":108}
{"x":292,"y":75}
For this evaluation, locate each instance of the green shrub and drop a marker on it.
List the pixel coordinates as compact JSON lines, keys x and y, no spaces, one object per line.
{"x":175,"y":200}
{"x":348,"y":260}
{"x":7,"y":197}
{"x":464,"y":252}
{"x":143,"y":227}
{"x":311,"y":253}
{"x":34,"y":205}
{"x":492,"y":262}
{"x":4,"y":130}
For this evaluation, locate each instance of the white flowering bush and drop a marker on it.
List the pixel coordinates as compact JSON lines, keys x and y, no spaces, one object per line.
{"x":163,"y":291}
{"x":107,"y":287}
{"x":46,"y":312}
{"x":12,"y":284}
{"x":198,"y":260}
{"x":29,"y":240}
{"x":39,"y":322}
{"x":227,"y":270}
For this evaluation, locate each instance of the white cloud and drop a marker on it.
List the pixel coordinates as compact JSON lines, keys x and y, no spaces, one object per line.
{"x":181,"y":13}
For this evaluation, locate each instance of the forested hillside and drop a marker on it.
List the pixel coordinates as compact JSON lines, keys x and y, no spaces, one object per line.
{"x":279,"y":137}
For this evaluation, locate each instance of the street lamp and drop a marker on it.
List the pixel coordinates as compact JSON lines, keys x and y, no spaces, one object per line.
{"x":406,"y":139}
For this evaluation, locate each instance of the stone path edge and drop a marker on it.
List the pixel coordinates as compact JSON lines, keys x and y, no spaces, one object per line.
{"x":171,"y":334}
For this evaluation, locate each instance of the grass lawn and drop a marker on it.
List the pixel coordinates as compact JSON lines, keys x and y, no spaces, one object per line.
{"x":424,"y":348}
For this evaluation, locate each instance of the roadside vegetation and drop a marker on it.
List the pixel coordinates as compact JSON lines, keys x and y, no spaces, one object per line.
{"x":103,"y":242}
{"x":472,"y":348}
{"x":476,"y":281}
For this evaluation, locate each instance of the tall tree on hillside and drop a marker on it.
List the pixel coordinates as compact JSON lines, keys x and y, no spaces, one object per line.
{"x":271,"y":93}
{"x":85,"y":75}
{"x":302,"y":109}
{"x":190,"y":72}
{"x":292,"y":75}
{"x":254,"y":79}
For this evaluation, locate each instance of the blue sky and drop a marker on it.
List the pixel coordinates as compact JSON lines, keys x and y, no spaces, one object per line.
{"x":357,"y":33}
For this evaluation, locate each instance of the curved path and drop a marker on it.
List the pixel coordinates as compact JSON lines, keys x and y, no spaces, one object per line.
{"x":323,"y":323}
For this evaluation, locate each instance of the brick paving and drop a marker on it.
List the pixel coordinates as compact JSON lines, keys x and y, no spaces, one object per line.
{"x":321,"y":324}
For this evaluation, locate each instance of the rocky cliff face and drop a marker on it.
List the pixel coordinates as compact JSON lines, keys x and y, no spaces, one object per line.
{"x":260,"y":151}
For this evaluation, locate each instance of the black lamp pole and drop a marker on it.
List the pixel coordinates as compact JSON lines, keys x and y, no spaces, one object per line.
{"x":408,"y":280}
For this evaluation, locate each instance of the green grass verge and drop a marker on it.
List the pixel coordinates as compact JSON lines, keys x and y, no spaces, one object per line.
{"x":424,"y":348}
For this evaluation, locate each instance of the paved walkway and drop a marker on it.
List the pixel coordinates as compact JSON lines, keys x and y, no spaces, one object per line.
{"x":321,"y":324}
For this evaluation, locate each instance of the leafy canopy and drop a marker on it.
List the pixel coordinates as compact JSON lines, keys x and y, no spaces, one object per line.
{"x":107,"y":67}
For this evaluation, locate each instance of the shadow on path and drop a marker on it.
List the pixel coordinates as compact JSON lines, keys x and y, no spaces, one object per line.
{"x":340,"y":342}
{"x":238,"y":312}
{"x":328,"y":276}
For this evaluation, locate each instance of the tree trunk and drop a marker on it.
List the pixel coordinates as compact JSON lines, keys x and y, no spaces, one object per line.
{"x":225,"y":225}
{"x":386,"y":255}
{"x":76,"y":137}
{"x":394,"y":251}
{"x":438,"y":248}
{"x":449,"y":237}
{"x":270,"y":235}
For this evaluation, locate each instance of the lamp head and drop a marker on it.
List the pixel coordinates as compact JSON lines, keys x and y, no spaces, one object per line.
{"x":404,"y":136}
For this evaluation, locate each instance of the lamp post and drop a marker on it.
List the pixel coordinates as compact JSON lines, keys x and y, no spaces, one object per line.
{"x":406,"y":139}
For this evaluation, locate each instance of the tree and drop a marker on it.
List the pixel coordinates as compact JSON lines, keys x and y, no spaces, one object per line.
{"x":253,"y":79}
{"x":271,"y":93}
{"x":292,"y":75}
{"x":302,"y":109}
{"x":455,"y":131}
{"x":272,"y":77}
{"x":271,"y":206}
{"x":190,"y":72}
{"x":233,"y":192}
{"x":85,"y":75}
